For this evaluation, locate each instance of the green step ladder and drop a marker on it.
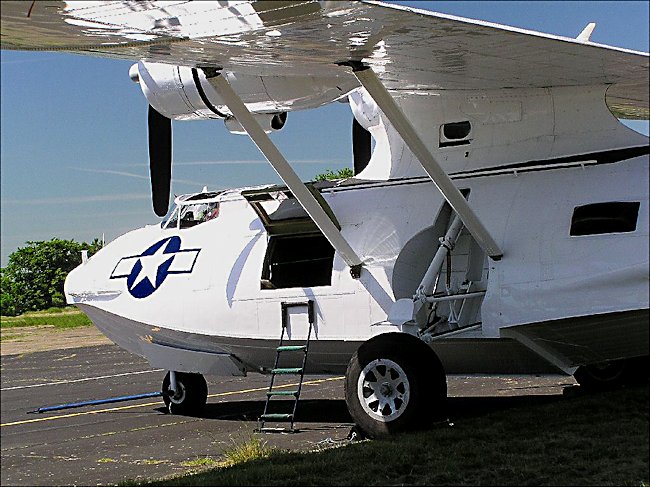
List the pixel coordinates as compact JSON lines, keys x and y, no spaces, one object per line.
{"x":281,"y":392}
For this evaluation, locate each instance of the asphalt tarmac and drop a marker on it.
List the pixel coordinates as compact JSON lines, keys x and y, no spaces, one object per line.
{"x":110,"y":443}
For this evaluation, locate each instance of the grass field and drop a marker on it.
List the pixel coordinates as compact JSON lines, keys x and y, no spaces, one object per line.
{"x":577,"y":439}
{"x":59,"y":318}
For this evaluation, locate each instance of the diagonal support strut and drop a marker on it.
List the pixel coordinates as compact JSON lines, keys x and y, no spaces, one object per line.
{"x":286,"y":172}
{"x":456,"y":200}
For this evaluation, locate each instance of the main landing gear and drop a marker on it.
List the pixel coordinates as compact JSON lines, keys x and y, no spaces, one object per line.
{"x":610,"y":375}
{"x":184,"y":393}
{"x":395,"y":382}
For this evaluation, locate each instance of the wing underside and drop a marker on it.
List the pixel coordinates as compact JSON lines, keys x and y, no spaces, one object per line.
{"x":411,"y":50}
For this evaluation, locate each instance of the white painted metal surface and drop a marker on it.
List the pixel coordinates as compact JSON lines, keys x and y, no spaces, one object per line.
{"x":411,"y":138}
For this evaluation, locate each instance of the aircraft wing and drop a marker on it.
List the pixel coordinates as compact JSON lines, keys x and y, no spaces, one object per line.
{"x":409,"y":49}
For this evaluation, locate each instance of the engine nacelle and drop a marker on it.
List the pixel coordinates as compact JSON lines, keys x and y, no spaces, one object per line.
{"x":175,"y":91}
{"x":184,"y":93}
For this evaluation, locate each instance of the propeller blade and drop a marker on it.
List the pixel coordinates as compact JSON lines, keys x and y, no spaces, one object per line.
{"x":361,"y":146}
{"x":160,"y":160}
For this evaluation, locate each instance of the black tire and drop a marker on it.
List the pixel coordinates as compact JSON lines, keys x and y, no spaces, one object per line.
{"x":191,"y":397}
{"x":413,"y":385}
{"x":613,"y":374}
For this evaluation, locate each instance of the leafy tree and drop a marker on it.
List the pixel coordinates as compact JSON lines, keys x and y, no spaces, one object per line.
{"x":344,"y":173}
{"x":33,"y":280}
{"x":7,"y":301}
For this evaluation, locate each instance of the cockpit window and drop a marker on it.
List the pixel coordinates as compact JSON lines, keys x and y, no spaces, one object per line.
{"x":192,"y":210}
{"x":194,"y":214}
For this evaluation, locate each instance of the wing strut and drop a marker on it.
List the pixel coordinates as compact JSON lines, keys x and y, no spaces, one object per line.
{"x":379,"y":93}
{"x":286,"y":172}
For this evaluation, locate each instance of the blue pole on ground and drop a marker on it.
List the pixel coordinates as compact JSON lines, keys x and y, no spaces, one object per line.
{"x":98,"y":401}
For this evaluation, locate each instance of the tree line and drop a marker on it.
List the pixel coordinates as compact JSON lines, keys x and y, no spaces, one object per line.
{"x":34,"y":277}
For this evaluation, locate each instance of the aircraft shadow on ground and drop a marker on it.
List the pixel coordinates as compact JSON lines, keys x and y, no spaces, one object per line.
{"x":309,"y":410}
{"x":335,"y":410}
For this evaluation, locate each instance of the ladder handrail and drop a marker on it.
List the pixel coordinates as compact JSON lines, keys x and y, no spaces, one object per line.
{"x":275,"y":365}
{"x":285,"y":306}
{"x":310,"y":314}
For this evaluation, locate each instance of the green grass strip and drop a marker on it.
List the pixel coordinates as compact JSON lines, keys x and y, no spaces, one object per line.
{"x":59,"y":320}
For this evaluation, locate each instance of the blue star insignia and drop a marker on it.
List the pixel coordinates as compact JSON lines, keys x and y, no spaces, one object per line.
{"x":146,"y":272}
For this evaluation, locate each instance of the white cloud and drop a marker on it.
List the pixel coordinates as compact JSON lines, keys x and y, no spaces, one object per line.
{"x":78,"y":199}
{"x":110,"y":171}
{"x":132,"y":175}
{"x":241,"y":162}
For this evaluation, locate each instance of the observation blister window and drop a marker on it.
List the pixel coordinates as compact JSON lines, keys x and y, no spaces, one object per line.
{"x":600,"y":218}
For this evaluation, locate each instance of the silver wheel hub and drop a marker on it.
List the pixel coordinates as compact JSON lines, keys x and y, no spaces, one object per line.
{"x":178,"y":396}
{"x":383,"y":390}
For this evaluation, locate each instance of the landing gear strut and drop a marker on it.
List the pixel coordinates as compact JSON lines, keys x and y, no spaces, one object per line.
{"x":184,"y":393}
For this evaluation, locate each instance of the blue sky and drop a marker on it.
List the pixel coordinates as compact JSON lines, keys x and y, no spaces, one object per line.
{"x":74,"y":137}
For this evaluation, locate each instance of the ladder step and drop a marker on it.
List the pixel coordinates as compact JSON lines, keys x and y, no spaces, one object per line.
{"x":278,"y":430}
{"x":282,"y":393}
{"x":276,"y":417}
{"x":292,"y":370}
{"x":291,"y":348}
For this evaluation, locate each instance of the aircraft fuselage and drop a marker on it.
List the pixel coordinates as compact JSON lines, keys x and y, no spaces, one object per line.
{"x":568,"y":292}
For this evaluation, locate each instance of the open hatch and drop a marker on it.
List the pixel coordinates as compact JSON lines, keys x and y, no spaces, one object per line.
{"x":298,"y":254}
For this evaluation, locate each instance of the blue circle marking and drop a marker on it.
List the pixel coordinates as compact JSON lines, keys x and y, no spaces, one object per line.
{"x":151,"y":268}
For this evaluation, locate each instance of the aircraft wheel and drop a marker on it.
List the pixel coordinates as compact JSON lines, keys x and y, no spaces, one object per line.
{"x":394,"y":383}
{"x":191,"y":396}
{"x":608,"y":375}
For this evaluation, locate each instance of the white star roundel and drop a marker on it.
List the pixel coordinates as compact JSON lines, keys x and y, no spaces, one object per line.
{"x":146,"y":272}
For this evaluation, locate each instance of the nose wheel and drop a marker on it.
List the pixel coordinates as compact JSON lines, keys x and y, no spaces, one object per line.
{"x":189,"y":395}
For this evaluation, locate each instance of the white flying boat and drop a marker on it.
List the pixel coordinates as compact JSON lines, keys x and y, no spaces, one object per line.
{"x":496,"y":223}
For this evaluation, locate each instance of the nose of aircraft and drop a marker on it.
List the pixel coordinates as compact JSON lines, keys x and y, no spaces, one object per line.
{"x":97,"y":278}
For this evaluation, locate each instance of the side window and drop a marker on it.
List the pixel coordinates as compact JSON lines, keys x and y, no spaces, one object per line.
{"x":299,"y":260}
{"x":454,"y":134}
{"x":599,"y":218}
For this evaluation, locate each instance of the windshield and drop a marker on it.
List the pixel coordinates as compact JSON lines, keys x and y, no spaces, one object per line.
{"x":196,"y":213}
{"x":191,"y":214}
